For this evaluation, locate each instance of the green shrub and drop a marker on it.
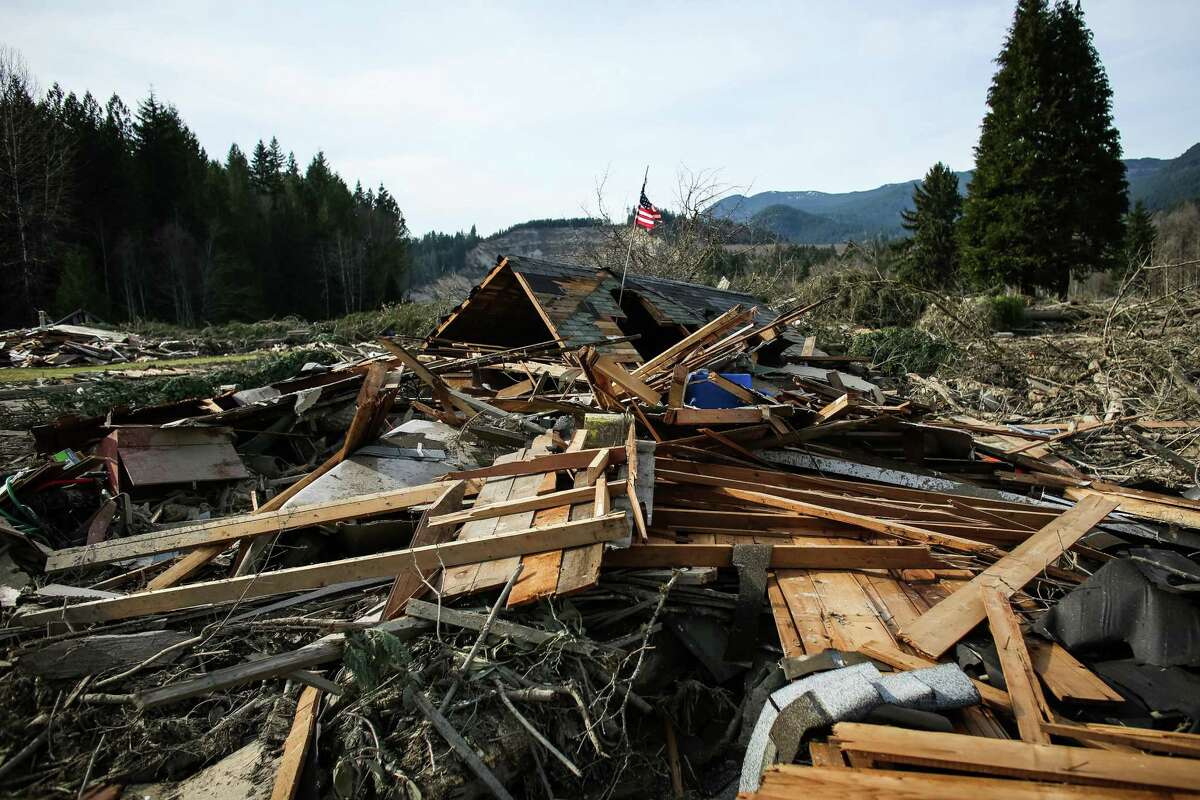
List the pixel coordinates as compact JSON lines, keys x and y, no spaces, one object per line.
{"x":1005,"y":312}
{"x":898,"y":351}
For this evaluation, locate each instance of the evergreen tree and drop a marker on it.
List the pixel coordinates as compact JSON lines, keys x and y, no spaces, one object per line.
{"x":1049,"y":186}
{"x":933,"y":258}
{"x":1140,"y":236}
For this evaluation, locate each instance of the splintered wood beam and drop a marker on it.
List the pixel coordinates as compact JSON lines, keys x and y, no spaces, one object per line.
{"x":631,"y":469}
{"x":678,"y":386}
{"x":382,"y":565}
{"x":963,"y":753}
{"x":295,"y":747}
{"x":729,"y":319}
{"x":617,"y":374}
{"x":835,"y":410}
{"x":1066,"y":678}
{"x":939,"y":628}
{"x":221,"y":532}
{"x":740,"y":392}
{"x":783,"y":556}
{"x":1029,"y":704}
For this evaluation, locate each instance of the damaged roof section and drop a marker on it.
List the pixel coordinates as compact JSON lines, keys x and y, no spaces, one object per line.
{"x":525,"y":301}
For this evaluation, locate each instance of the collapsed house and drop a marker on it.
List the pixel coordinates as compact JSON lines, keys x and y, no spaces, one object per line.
{"x":525,"y":301}
{"x":556,"y":565}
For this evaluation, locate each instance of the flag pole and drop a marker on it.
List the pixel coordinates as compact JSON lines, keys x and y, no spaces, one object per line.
{"x":632,"y":232}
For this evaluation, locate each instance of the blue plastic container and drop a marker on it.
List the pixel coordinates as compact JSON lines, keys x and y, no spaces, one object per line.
{"x":702,"y":394}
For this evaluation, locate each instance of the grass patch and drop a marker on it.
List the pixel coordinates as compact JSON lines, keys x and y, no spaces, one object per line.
{"x":29,"y":374}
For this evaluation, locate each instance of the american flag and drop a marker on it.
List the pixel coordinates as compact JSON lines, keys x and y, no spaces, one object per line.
{"x":646,"y":216}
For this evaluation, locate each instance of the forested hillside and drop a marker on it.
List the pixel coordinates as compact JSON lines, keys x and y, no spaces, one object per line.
{"x":121,"y":211}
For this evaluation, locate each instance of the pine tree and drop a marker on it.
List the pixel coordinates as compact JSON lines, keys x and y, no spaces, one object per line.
{"x":933,"y":259}
{"x":1049,"y":186}
{"x":1140,"y":236}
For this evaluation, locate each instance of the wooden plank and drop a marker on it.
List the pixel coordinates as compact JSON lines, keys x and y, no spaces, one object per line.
{"x":536,"y":465}
{"x":725,"y":487}
{"x":1168,"y":514}
{"x":718,"y":416}
{"x":187,"y":565}
{"x":1066,"y":678}
{"x":783,"y":556}
{"x":823,"y":754}
{"x":792,"y":782}
{"x":740,"y":392}
{"x":631,"y":468}
{"x":228,"y":529}
{"x":295,"y":747}
{"x":1173,"y":742}
{"x":943,"y":625}
{"x":888,"y":653}
{"x":632,"y":385}
{"x":494,"y":572}
{"x":601,"y":496}
{"x":1014,"y":758}
{"x":515,"y":506}
{"x":729,"y":319}
{"x":596,"y":468}
{"x":534,"y":540}
{"x":835,"y":410}
{"x":1029,"y":705}
{"x":789,"y":638}
{"x":804,"y":603}
{"x":410,"y":582}
{"x":580,"y":566}
{"x":678,"y":386}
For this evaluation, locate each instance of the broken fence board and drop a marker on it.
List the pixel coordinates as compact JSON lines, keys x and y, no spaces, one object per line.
{"x":938,"y":629}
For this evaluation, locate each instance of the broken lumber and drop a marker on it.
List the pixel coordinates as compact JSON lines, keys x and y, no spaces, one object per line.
{"x":963,"y":753}
{"x":468,"y":551}
{"x":1029,"y":704}
{"x":939,"y":628}
{"x":783,"y":556}
{"x":789,"y":782}
{"x":295,"y":747}
{"x":228,"y":529}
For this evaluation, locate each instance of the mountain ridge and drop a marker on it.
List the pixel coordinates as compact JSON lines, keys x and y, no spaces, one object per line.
{"x":816,"y":217}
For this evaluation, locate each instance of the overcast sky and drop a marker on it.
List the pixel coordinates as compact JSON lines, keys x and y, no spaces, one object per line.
{"x":493,"y":113}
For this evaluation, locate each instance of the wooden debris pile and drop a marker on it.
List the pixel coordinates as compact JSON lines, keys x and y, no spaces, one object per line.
{"x":733,"y":565}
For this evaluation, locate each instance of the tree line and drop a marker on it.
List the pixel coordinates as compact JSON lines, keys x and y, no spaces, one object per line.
{"x":122,"y":212}
{"x":1049,"y":198}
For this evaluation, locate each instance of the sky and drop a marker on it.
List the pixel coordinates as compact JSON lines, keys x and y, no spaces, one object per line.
{"x":494,"y":113}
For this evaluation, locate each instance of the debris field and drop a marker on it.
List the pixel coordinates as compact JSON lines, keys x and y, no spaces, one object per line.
{"x":677,"y":551}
